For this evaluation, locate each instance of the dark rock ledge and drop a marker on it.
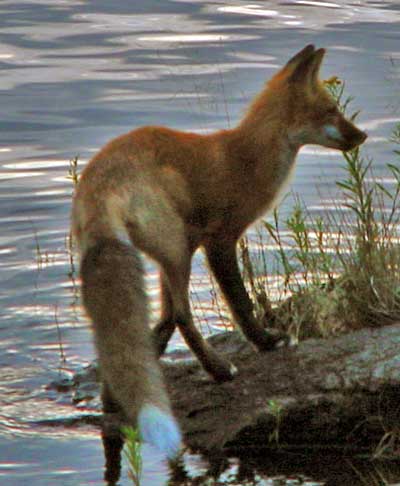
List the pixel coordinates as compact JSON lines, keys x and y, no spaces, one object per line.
{"x":341,"y":393}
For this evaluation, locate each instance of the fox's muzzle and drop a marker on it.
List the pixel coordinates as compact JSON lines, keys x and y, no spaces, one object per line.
{"x":352,"y":136}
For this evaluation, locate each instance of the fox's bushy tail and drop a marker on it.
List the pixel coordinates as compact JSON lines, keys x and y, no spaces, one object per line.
{"x":115,"y":299}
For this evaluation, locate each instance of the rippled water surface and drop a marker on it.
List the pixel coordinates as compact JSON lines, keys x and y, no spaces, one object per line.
{"x":75,"y":73}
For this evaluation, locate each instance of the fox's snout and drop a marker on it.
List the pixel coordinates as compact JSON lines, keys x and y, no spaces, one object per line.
{"x":358,"y":140}
{"x":352,"y":136}
{"x":363,"y":137}
{"x":343,"y":135}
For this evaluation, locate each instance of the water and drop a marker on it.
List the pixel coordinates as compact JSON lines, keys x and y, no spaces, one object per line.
{"x":75,"y":73}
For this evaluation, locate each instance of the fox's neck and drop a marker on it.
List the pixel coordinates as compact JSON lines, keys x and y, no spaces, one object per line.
{"x":267,"y":123}
{"x":263,"y":140}
{"x":263,"y":155}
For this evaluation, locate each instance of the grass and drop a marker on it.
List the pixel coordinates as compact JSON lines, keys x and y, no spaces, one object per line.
{"x":275,"y":409}
{"x":73,"y":176}
{"x":73,"y":173}
{"x":340,"y":270}
{"x":133,"y":453}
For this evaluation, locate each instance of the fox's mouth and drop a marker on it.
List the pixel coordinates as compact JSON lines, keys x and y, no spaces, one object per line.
{"x":353,"y":141}
{"x":350,"y":145}
{"x":345,"y":147}
{"x":344,"y":136}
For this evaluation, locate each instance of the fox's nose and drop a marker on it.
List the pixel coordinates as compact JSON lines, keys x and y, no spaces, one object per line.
{"x":354,"y":138}
{"x":363,"y":136}
{"x":359,"y":138}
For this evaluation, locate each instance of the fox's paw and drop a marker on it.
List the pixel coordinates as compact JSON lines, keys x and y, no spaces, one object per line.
{"x":219,"y":368}
{"x":271,"y":340}
{"x":160,"y":429}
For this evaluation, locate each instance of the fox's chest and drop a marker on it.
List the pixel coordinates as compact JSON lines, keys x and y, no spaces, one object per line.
{"x":208,"y":221}
{"x":281,"y":184}
{"x":271,"y":183}
{"x":249,"y":199}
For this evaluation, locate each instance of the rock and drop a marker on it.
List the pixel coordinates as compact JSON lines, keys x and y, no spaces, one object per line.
{"x":341,"y":392}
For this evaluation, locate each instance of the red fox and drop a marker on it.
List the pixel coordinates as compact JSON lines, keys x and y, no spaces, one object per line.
{"x":166,"y":193}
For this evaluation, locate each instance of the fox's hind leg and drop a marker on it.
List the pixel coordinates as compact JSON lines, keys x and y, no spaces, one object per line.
{"x":158,"y":230}
{"x":111,"y":436}
{"x":178,"y":278}
{"x":176,"y":311}
{"x":163,"y":331}
{"x":110,"y":405}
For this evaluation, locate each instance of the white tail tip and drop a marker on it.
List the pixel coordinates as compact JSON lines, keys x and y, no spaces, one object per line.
{"x":160,"y":429}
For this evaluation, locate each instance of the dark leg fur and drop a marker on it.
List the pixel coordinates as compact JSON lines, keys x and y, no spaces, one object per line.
{"x":162,"y":333}
{"x":218,"y":367}
{"x":110,"y":405}
{"x":177,"y":281}
{"x":223,"y":263}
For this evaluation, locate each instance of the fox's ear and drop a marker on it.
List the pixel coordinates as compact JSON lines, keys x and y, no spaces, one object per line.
{"x":300,"y":57}
{"x":316,"y":65}
{"x":294,"y":64}
{"x":307,"y":70}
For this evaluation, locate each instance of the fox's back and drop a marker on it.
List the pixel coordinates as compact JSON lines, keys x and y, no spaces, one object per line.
{"x":187,"y":171}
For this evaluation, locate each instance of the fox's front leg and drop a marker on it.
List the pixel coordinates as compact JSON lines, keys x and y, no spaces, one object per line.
{"x":223,"y":263}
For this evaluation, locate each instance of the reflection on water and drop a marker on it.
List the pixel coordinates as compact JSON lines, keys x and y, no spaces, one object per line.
{"x":75,"y":73}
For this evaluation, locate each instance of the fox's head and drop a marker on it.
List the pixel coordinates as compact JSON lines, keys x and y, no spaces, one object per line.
{"x":309,"y":113}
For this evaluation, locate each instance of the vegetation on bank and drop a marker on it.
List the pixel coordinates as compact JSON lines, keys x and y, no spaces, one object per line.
{"x":339,"y":270}
{"x":332,"y":272}
{"x":133,"y":453}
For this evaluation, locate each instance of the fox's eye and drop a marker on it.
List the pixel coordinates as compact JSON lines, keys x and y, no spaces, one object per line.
{"x":332,"y":111}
